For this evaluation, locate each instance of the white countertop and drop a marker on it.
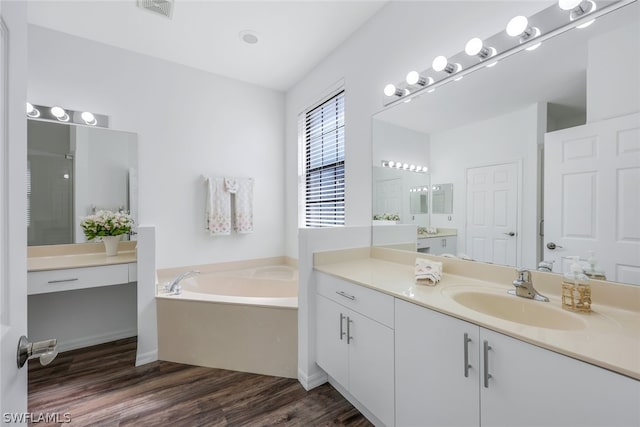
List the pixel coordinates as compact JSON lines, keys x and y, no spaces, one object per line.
{"x":610,"y":338}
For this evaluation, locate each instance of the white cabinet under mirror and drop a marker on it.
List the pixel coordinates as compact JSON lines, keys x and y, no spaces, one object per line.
{"x":485,"y":135}
{"x":355,"y":342}
{"x":453,"y":373}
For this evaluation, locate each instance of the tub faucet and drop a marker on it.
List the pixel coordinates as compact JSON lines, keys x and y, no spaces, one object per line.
{"x":524,"y":287}
{"x":174,"y":287}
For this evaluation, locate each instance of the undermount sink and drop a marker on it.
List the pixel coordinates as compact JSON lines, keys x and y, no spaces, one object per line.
{"x":517,"y":309}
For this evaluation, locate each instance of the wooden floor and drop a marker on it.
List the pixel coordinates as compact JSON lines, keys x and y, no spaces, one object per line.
{"x":99,"y":386}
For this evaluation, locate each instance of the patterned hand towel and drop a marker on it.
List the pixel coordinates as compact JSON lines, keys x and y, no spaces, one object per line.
{"x":428,"y":272}
{"x":218,"y":208}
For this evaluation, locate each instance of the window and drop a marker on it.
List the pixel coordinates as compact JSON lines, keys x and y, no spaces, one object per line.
{"x":324,"y":164}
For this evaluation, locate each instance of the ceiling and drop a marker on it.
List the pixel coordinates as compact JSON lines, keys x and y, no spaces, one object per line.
{"x":293,"y":35}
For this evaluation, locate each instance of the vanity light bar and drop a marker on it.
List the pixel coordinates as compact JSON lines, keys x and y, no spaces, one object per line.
{"x":62,"y":115}
{"x":542,"y":26}
{"x":404,"y":166}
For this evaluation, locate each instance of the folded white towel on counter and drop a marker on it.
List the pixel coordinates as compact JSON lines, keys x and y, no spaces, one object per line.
{"x":428,"y":272}
{"x":218,"y":208}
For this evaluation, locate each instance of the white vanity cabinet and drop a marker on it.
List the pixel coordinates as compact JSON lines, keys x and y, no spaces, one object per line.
{"x":515,"y":384}
{"x":355,"y":342}
{"x":437,"y":245}
{"x":68,"y":279}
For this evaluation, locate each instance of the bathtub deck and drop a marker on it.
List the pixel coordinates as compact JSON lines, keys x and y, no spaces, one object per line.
{"x":100,"y":385}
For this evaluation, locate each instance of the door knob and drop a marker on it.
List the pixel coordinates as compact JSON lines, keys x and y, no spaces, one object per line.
{"x":551,"y":246}
{"x":511,"y":233}
{"x":45,"y":350}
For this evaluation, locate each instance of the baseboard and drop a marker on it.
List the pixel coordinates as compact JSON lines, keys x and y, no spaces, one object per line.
{"x":148,"y":357}
{"x":95,"y":340}
{"x":312,"y":381}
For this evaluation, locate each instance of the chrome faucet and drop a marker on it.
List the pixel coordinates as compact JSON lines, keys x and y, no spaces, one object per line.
{"x":524,"y":287}
{"x":174,"y":287}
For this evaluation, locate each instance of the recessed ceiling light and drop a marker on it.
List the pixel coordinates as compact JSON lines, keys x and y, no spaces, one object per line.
{"x":249,"y":37}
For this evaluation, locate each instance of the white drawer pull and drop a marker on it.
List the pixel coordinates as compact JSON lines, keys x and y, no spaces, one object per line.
{"x":63,"y":280}
{"x":346,"y":295}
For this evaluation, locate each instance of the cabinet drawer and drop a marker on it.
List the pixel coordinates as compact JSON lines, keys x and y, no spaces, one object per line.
{"x":373,"y":304}
{"x":40,"y":282}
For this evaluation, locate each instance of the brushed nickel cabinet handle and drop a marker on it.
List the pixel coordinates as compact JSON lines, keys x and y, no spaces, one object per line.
{"x":63,"y":280}
{"x":487,"y":375}
{"x":346,"y":295}
{"x":349,"y":337}
{"x":467,"y":340}
{"x":342,"y":316}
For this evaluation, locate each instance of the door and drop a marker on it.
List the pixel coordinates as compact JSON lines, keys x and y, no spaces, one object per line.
{"x":331,"y":335}
{"x":436,"y":385}
{"x":13,"y":228}
{"x":531,"y":386}
{"x":592,"y":196}
{"x":371,"y":366}
{"x":492,"y":212}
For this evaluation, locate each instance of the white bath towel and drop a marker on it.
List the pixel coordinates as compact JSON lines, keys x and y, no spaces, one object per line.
{"x":218,"y":208}
{"x":428,"y":272}
{"x":243,"y":205}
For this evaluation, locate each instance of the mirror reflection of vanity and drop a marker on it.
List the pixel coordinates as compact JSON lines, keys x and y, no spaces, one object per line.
{"x":519,"y":144}
{"x":76,"y":293}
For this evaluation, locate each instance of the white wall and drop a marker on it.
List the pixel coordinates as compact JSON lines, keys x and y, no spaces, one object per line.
{"x":189,"y":123}
{"x":509,"y":138}
{"x":401,"y":37}
{"x":613,"y":87}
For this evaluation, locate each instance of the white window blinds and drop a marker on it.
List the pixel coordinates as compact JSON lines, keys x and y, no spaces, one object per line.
{"x":324,"y":164}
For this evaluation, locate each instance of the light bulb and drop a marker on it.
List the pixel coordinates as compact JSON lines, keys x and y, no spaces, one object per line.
{"x":413,"y":77}
{"x":391,"y":164}
{"x":89,"y":118}
{"x":424,"y":169}
{"x":405,"y":166}
{"x":568,"y":4}
{"x":439,"y":63}
{"x":60,"y":114}
{"x":473,"y":46}
{"x":412,"y":167}
{"x":32,"y":111}
{"x":390,"y":90}
{"x":517,"y":25}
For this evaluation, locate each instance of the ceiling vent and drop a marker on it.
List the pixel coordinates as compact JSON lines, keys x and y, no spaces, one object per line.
{"x":161,"y":7}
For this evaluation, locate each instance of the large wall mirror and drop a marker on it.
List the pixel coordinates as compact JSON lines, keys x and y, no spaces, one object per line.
{"x":74,"y":171}
{"x":541,"y":151}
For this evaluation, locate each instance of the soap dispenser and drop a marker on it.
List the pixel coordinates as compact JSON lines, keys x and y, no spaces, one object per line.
{"x":576,"y":291}
{"x":593,"y":272}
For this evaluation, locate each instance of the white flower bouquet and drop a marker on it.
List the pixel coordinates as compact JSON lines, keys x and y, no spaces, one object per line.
{"x":106,"y":223}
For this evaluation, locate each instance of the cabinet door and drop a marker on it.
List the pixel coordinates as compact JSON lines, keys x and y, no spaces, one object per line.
{"x":533,"y":386}
{"x":433,"y":388}
{"x":331,"y":339}
{"x":371,"y":366}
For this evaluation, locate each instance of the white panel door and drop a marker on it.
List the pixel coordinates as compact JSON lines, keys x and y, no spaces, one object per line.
{"x":13,"y":227}
{"x":492,"y":213}
{"x":592,"y":196}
